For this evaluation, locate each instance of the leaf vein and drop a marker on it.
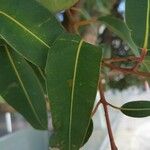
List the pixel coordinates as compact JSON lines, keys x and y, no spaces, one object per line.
{"x":22,"y":85}
{"x":147,"y":25}
{"x":73,"y":90}
{"x":23,"y":27}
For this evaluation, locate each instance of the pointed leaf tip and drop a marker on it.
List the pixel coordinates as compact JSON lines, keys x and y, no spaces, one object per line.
{"x":136,"y":109}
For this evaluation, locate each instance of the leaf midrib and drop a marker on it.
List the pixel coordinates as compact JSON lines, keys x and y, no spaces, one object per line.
{"x":22,"y":85}
{"x":146,"y":38}
{"x":24,"y":28}
{"x":73,"y":90}
{"x":135,"y":109}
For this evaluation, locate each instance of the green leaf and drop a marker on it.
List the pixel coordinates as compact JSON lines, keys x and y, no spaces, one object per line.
{"x":28,"y":28}
{"x":57,"y":5}
{"x":104,"y":6}
{"x":138,"y":19}
{"x":41,"y":76}
{"x":1,"y":100}
{"x":87,"y":135}
{"x":120,"y":28}
{"x":72,"y":73}
{"x":136,"y":109}
{"x":20,"y":88}
{"x":89,"y":132}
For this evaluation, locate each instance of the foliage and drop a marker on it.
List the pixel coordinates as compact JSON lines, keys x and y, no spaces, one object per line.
{"x":56,"y":5}
{"x":40,"y":60}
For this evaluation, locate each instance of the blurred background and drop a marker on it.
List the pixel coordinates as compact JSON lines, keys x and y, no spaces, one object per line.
{"x":129,"y":133}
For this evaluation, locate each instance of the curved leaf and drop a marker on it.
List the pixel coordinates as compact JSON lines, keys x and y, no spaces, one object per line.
{"x":72,"y":73}
{"x":136,"y":109}
{"x":28,"y":28}
{"x":21,"y":89}
{"x":57,"y":5}
{"x":120,"y":28}
{"x":89,"y":132}
{"x":138,"y":19}
{"x":40,"y":73}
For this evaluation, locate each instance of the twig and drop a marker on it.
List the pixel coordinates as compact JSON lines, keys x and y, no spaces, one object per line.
{"x":77,"y":25}
{"x":134,"y":70}
{"x":143,"y":54}
{"x":113,"y":106}
{"x":119,"y":59}
{"x":96,"y":108}
{"x":127,"y":70}
{"x":104,"y":102}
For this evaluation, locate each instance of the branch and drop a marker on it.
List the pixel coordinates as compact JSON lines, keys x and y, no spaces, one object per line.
{"x":105,"y":106}
{"x":143,"y":54}
{"x":126,"y":70}
{"x":119,"y":59}
{"x":96,"y":108}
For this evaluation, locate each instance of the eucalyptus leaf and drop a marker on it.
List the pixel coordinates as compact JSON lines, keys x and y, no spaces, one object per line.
{"x":28,"y":28}
{"x":89,"y":132}
{"x":104,"y":6}
{"x":20,"y":88}
{"x":137,"y":16}
{"x":136,"y":109}
{"x":120,"y":28}
{"x":57,"y":5}
{"x":40,"y":73}
{"x":72,"y":73}
{"x":1,"y":100}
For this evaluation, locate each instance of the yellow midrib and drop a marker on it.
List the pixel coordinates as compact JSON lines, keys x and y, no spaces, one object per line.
{"x":73,"y":90}
{"x":135,"y":109}
{"x":146,"y":38}
{"x":23,"y":27}
{"x":22,"y":85}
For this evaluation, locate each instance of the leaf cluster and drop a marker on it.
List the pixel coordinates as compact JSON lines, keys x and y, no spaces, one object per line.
{"x":41,"y":63}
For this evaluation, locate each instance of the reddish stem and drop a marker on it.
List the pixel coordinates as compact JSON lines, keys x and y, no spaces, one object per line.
{"x":105,"y":106}
{"x":143,"y":54}
{"x":96,"y":107}
{"x":127,"y":70}
{"x":134,"y":70}
{"x":119,"y":59}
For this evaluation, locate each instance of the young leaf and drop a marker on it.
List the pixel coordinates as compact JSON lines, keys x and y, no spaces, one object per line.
{"x":120,"y":28}
{"x":28,"y":28}
{"x":72,"y":73}
{"x":57,"y":5}
{"x":138,"y":19}
{"x":21,"y":89}
{"x":136,"y":109}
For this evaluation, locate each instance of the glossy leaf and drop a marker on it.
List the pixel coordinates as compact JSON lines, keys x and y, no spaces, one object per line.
{"x":138,"y":19}
{"x":57,"y":5}
{"x":136,"y":109}
{"x":120,"y":28}
{"x":21,"y":89}
{"x":72,"y":73}
{"x":28,"y":28}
